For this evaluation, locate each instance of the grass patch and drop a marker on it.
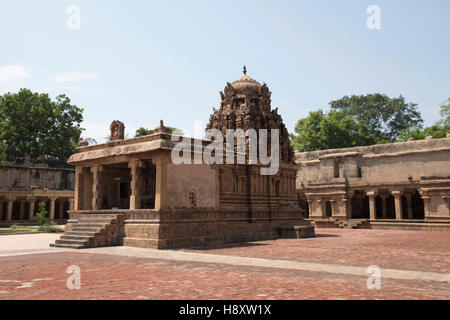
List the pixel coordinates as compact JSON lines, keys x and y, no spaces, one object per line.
{"x":29,"y":229}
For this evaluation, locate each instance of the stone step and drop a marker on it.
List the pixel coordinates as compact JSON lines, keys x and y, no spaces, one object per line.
{"x":88,"y":229}
{"x":98,"y":216}
{"x":76,"y":237}
{"x":68,"y":245}
{"x":97,"y":223}
{"x":81,"y":233}
{"x":90,"y":224}
{"x":77,"y":242}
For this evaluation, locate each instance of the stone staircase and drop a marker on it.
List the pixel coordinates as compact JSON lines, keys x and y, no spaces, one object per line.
{"x":93,"y":230}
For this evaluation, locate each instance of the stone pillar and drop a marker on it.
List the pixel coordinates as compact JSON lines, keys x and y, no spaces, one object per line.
{"x":321,"y":204}
{"x":96,"y":187}
{"x":161,"y":182}
{"x":79,"y":190}
{"x":10,"y":208}
{"x":346,"y":207}
{"x":71,"y":204}
{"x":409,"y":207}
{"x":135,"y":197}
{"x":398,"y":204}
{"x":383,"y":205}
{"x":31,"y":203}
{"x":426,"y":204}
{"x":372,"y":204}
{"x":22,"y":209}
{"x":52,"y":208}
{"x":61,"y":208}
{"x":350,"y":195}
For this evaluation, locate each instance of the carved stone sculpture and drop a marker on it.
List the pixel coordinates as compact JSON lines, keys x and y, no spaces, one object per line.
{"x":117,"y":130}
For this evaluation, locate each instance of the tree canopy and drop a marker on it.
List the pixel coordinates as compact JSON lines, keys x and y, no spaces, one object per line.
{"x":437,"y":130}
{"x":2,"y":152}
{"x":144,"y":131}
{"x":321,"y":131}
{"x":33,"y":125}
{"x":356,"y":121}
{"x":385,"y":117}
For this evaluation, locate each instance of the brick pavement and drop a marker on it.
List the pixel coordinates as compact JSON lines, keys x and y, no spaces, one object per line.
{"x":43,"y":276}
{"x":397,"y":249}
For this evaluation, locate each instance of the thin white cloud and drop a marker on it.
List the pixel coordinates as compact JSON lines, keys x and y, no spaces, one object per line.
{"x":12,"y":73}
{"x":13,"y":77}
{"x":69,"y":77}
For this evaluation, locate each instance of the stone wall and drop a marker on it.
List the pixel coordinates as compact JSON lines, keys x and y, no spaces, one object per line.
{"x":400,"y":182}
{"x":33,"y":174}
{"x":25,"y":183}
{"x":387,"y":162}
{"x":191,"y":186}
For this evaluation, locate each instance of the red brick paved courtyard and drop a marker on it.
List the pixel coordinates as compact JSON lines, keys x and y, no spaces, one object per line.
{"x":43,"y":275}
{"x":399,"y":249}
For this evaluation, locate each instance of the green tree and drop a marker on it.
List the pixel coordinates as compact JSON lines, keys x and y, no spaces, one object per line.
{"x":445,"y":115}
{"x":144,"y":131}
{"x":321,"y":131}
{"x":437,"y":130}
{"x":33,"y":125}
{"x":417,"y":134}
{"x":385,"y":117}
{"x":2,"y":152}
{"x":42,"y":216}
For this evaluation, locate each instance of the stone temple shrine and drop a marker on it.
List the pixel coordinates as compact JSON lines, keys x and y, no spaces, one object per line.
{"x":129,"y":191}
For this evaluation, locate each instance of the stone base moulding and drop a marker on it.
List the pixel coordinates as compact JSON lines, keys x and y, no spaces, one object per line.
{"x":175,"y":229}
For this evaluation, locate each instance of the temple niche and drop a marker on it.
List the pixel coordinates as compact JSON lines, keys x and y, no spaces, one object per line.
{"x":246,"y":104}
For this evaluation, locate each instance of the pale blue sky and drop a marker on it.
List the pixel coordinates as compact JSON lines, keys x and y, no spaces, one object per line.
{"x":142,"y":61}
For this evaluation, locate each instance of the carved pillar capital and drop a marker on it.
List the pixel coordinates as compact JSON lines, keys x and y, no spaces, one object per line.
{"x":372,"y":193}
{"x":397,"y":192}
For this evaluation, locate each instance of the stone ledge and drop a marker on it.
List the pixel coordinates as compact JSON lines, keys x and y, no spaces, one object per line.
{"x":297,"y":232}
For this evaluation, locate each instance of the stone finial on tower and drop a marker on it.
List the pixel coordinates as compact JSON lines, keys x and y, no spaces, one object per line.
{"x":244,"y":70}
{"x":162,"y":128}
